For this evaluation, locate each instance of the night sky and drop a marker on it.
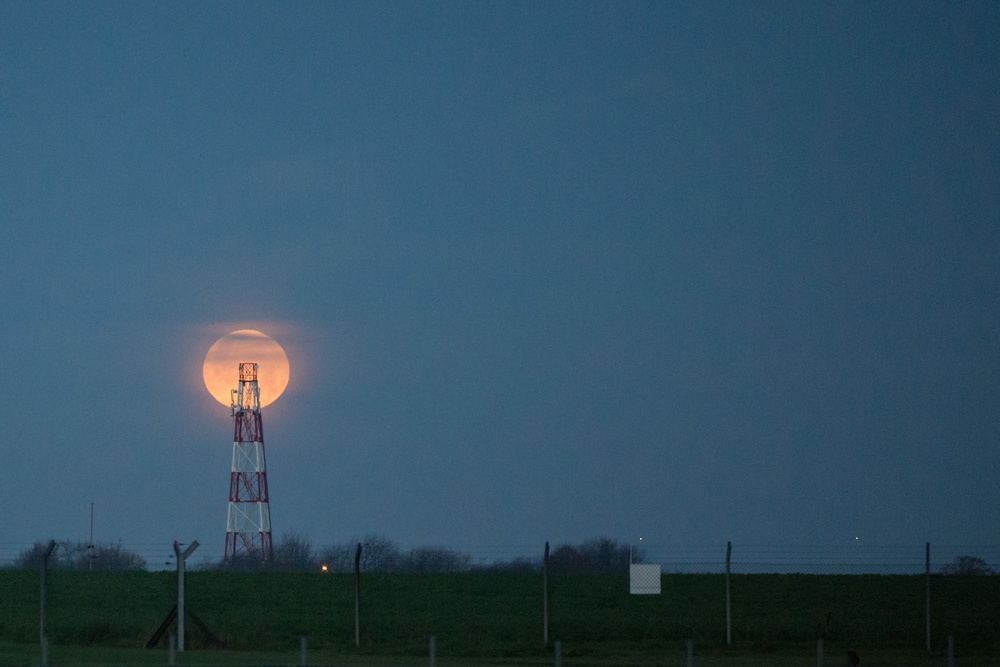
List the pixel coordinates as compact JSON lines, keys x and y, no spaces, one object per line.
{"x":695,"y":271}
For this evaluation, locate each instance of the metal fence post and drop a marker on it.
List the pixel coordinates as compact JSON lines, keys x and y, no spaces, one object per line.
{"x":690,"y":653}
{"x":729,"y":634}
{"x":303,"y":650}
{"x":432,"y":650}
{"x":545,"y":597}
{"x":927,"y":576}
{"x":43,"y":642}
{"x":357,"y":596}
{"x":181,"y":559}
{"x":558,"y":651}
{"x":819,"y":652}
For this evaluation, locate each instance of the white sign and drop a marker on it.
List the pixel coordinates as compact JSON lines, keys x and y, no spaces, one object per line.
{"x":644,"y":579}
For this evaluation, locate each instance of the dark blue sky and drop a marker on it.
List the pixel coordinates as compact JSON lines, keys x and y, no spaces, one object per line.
{"x":544,"y":271}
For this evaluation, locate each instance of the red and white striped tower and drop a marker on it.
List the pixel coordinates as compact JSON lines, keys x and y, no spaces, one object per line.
{"x":248,"y":527}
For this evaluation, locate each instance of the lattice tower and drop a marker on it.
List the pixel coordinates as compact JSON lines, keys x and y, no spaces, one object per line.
{"x":248,"y":526}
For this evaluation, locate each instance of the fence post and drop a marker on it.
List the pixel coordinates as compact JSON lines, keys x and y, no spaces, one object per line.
{"x":545,"y":597}
{"x":819,"y":652}
{"x":43,"y":642}
{"x":303,"y":650}
{"x":729,"y":635}
{"x":927,"y":577}
{"x":181,"y":559}
{"x":690,"y":653}
{"x":558,"y":651}
{"x":432,"y":650}
{"x":357,"y":596}
{"x":951,"y":650}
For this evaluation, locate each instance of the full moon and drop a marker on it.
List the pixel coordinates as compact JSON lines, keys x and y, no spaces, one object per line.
{"x":221,"y":367}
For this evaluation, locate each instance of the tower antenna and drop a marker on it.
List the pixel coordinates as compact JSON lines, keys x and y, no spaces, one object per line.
{"x":248,"y":525}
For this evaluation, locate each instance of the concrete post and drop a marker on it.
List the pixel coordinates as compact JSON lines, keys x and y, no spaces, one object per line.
{"x":357,"y":596}
{"x":43,"y":642}
{"x":181,"y":557}
{"x":545,"y":597}
{"x":927,"y":597}
{"x":729,"y":625}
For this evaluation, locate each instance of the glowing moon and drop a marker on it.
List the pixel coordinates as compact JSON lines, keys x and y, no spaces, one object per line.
{"x":221,"y":367}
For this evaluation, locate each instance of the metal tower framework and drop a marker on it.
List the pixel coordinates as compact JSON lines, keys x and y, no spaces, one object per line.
{"x":248,"y":526}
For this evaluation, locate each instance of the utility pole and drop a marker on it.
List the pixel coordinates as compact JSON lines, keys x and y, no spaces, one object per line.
{"x":181,"y":557}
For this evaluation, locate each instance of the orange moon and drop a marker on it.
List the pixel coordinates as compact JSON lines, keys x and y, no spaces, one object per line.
{"x":221,"y":367}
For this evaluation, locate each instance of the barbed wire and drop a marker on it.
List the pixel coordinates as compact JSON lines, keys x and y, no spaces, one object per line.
{"x":694,"y":559}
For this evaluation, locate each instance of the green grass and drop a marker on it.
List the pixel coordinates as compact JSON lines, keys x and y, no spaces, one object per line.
{"x":105,"y":618}
{"x":22,"y":655}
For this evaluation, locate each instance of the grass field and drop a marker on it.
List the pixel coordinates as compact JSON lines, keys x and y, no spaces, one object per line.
{"x":105,"y":618}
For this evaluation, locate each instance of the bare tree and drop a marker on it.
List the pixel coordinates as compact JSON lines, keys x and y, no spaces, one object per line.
{"x":967,"y":565}
{"x":521,"y":564}
{"x":31,"y":558}
{"x":294,"y":553}
{"x":338,"y":557}
{"x":79,"y":556}
{"x":107,"y":557}
{"x":601,"y":555}
{"x":435,"y":559}
{"x":379,"y":554}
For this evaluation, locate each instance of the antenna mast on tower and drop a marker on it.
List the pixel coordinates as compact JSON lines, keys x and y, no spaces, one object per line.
{"x":248,"y":526}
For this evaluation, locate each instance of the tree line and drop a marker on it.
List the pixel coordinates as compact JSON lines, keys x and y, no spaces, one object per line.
{"x":80,"y":556}
{"x":296,"y":553}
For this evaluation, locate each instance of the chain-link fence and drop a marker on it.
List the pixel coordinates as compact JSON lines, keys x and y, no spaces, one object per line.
{"x":510,"y":601}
